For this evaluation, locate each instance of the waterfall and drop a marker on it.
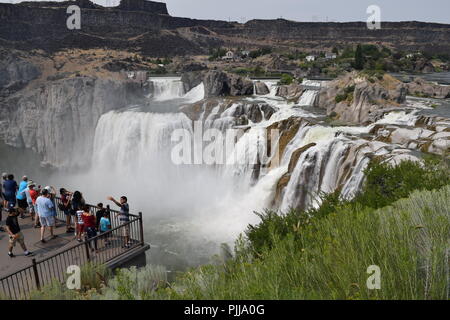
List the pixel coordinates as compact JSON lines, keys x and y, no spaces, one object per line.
{"x":133,"y":140}
{"x":214,"y":203}
{"x":308,"y":98}
{"x":167,"y":88}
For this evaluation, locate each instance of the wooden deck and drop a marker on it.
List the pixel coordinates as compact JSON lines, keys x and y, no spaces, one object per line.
{"x":54,"y":256}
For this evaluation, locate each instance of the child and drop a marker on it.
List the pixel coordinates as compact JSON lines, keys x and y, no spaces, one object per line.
{"x":99,"y":215}
{"x":79,"y":225}
{"x":105,"y":226}
{"x":89,"y":226}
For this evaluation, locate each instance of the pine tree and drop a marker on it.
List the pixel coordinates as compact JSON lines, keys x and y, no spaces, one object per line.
{"x":359,"y":58}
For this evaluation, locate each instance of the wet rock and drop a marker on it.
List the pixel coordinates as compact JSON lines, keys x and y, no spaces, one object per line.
{"x":219,"y":83}
{"x":191,"y":80}
{"x":261,"y":88}
{"x":423,"y":88}
{"x":290,"y":92}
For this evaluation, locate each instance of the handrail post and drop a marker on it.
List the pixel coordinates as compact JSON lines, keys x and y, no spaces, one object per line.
{"x":86,"y":245}
{"x":36,"y":274}
{"x":141,"y":228}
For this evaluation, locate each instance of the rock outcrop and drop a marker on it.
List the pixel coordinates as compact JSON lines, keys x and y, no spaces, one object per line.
{"x":15,"y":74}
{"x":358,"y":99}
{"x":218,"y":83}
{"x":58,"y":119}
{"x":423,"y":88}
{"x":261,"y":88}
{"x":290,"y":92}
{"x":191,"y":80}
{"x":230,"y":111}
{"x":143,"y":5}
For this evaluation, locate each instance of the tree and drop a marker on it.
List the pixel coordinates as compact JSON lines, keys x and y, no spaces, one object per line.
{"x":359,"y":58}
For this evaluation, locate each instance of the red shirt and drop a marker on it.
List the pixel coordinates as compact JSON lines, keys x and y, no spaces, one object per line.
{"x":89,"y":220}
{"x":34,"y":195}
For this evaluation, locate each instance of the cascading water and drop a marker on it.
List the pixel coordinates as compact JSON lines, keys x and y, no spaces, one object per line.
{"x":190,"y":209}
{"x":308,"y":98}
{"x":167,"y":88}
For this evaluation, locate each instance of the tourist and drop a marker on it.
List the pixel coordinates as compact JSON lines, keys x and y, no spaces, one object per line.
{"x":52,"y":193}
{"x":9,"y":191}
{"x":27,"y":194}
{"x":124,"y":218}
{"x":34,"y":194}
{"x":79,"y":228}
{"x":3,"y":202}
{"x":2,"y":189}
{"x":15,"y":235}
{"x":99,"y":215}
{"x":65,"y":206}
{"x":77,"y":205}
{"x":45,"y":209}
{"x":21,"y":198}
{"x":89,"y":226}
{"x":105,"y":226}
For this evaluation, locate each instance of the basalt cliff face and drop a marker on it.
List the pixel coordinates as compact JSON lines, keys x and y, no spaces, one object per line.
{"x":147,"y":27}
{"x":58,"y":119}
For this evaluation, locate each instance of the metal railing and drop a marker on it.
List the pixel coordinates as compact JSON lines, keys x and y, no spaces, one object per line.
{"x":20,"y":284}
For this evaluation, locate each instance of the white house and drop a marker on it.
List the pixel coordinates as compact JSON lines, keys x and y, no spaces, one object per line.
{"x":245,"y":53}
{"x":229,"y":55}
{"x":310,"y":58}
{"x":330,"y":56}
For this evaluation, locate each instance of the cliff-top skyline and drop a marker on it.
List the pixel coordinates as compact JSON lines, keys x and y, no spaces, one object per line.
{"x":302,"y":10}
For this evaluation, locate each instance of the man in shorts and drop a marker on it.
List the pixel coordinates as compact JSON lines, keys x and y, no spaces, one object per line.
{"x":46,"y":208}
{"x":15,"y":235}
{"x":124,"y":218}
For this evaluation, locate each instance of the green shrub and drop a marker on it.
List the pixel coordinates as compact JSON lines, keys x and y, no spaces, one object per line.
{"x":386,"y":183}
{"x":286,"y":79}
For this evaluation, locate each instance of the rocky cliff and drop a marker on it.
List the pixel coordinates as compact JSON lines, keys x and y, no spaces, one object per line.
{"x":58,"y":119}
{"x":358,"y":98}
{"x":146,"y":27}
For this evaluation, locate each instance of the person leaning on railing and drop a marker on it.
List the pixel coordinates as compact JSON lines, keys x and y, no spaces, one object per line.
{"x":124,"y":218}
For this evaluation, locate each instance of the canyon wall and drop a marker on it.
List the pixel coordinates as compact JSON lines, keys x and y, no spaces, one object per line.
{"x":58,"y":119}
{"x":146,"y":27}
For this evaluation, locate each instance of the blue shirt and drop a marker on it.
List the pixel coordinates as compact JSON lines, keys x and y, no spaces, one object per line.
{"x":104,"y":224}
{"x":22,"y":186}
{"x":45,"y":207}
{"x":26,"y":192}
{"x":10,"y":188}
{"x":124,"y":213}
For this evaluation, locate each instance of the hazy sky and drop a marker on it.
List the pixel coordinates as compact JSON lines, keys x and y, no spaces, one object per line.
{"x":305,"y":10}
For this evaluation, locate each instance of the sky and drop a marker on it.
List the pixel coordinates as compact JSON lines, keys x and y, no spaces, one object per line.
{"x":304,"y":10}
